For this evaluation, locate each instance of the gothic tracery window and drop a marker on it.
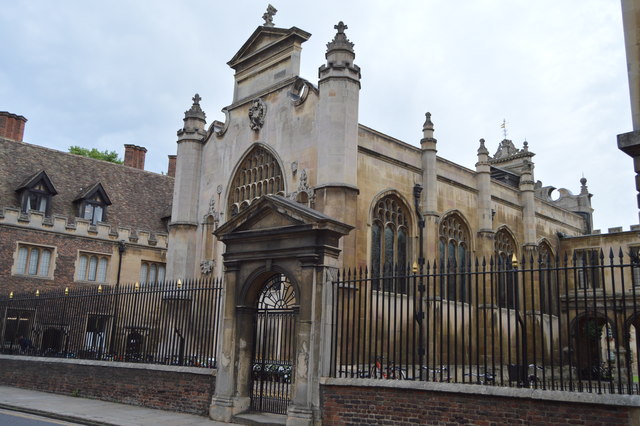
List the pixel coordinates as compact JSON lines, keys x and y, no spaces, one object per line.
{"x":548,"y":287}
{"x":454,"y":258}
{"x":389,"y":241}
{"x":505,"y":248}
{"x":259,"y":174}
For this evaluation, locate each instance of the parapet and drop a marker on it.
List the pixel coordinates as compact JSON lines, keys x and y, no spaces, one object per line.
{"x":81,"y":228}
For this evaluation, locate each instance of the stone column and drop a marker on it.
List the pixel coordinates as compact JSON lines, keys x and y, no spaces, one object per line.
{"x":223,"y":406}
{"x":430,"y":192}
{"x":528,"y":202}
{"x":485,"y":234}
{"x":629,"y":143}
{"x":181,"y":253}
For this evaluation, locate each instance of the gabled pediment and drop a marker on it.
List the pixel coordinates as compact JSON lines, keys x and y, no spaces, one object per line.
{"x":265,"y":38}
{"x":275,"y":212}
{"x":40,"y":178}
{"x":91,"y":191}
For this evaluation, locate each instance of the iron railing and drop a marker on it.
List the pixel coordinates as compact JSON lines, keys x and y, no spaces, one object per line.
{"x":561,"y":324}
{"x":172,"y":322}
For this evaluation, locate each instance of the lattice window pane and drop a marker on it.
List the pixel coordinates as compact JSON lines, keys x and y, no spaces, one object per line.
{"x":102,"y":270}
{"x":21,"y":266}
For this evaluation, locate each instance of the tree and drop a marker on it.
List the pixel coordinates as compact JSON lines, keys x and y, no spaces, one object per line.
{"x":105,"y":155}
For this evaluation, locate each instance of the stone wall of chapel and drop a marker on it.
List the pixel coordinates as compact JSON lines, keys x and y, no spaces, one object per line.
{"x":289,"y":132}
{"x":375,"y":175}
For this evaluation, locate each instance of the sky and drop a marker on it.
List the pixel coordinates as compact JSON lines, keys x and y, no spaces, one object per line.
{"x":105,"y":74}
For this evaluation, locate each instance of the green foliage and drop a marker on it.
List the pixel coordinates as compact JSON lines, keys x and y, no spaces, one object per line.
{"x":105,"y":155}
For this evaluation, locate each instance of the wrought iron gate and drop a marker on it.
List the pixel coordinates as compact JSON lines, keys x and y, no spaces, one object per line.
{"x":274,"y":347}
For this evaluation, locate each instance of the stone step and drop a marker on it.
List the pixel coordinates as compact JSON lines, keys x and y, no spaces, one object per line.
{"x":263,"y":419}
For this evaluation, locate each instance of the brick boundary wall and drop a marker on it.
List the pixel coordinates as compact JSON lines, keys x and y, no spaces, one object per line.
{"x":345,"y":402}
{"x":183,"y":389}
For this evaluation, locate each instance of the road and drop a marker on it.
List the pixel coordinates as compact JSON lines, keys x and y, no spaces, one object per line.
{"x":16,"y":418}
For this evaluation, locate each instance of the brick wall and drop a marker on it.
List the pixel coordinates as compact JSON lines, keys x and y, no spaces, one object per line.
{"x":168,"y":390}
{"x":356,"y":405}
{"x":67,"y":248}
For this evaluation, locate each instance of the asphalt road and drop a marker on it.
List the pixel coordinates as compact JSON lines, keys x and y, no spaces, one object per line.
{"x":16,"y":418}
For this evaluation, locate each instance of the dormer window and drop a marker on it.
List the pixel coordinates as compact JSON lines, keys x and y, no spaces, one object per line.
{"x":36,"y":192}
{"x":92,"y":203}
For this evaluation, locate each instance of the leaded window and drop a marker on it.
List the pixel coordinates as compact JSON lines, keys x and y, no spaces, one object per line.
{"x":259,"y":174}
{"x":389,"y":243}
{"x":152,"y":272}
{"x":36,"y":193}
{"x":34,"y":261}
{"x":454,"y":258}
{"x":92,"y":267}
{"x":548,"y":286}
{"x":505,"y":248}
{"x":586,"y":262}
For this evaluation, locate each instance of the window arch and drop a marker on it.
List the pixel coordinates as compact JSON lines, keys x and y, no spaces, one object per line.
{"x":389,"y":241}
{"x":453,"y":248}
{"x":258,"y":174}
{"x":505,"y":248}
{"x":548,"y":287}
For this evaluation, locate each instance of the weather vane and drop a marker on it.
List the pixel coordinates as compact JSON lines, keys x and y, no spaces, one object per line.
{"x":503,"y":126}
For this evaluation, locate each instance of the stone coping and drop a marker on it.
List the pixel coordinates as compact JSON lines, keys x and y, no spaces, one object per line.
{"x":497,"y":391}
{"x":114,"y":364}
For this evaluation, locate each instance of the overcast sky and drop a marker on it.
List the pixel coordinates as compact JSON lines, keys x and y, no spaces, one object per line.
{"x":105,"y":74}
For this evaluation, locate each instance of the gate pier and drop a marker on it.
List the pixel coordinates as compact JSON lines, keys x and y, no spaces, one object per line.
{"x":276,"y":261}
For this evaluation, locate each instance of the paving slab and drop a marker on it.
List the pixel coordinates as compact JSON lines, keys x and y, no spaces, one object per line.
{"x":93,"y":411}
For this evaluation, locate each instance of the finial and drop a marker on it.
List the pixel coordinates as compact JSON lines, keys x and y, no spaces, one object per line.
{"x":428,"y":124}
{"x":525,"y":146}
{"x":583,"y":187}
{"x":195,"y":111}
{"x":340,"y":41}
{"x":268,"y":16}
{"x":503,"y":126}
{"x":341,"y":27}
{"x":483,"y":149}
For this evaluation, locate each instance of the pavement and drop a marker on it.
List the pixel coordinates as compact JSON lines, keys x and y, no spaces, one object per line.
{"x":92,"y":411}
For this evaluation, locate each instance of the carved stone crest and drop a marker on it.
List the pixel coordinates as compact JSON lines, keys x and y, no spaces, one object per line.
{"x":303,"y":188}
{"x":206,"y":266}
{"x":257,"y":112}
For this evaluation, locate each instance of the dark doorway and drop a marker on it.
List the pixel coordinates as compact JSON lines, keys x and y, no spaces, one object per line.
{"x":274,"y":347}
{"x":52,"y":341}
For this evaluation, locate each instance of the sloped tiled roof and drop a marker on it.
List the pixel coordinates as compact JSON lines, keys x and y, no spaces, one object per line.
{"x":139,"y":198}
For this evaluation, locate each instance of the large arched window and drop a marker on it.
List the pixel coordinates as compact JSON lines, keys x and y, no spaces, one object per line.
{"x":259,"y":174}
{"x":505,"y":248}
{"x":453,"y":247}
{"x":389,"y":242}
{"x":548,"y":287}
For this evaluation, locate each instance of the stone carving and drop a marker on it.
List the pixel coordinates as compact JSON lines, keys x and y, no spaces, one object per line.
{"x":212,"y":211}
{"x":257,"y":112}
{"x":299,"y":91}
{"x":340,"y":41}
{"x":219,"y":189}
{"x":294,"y":167}
{"x":303,"y":188}
{"x":268,"y":16}
{"x":219,"y":127}
{"x":207,"y":266}
{"x":195,"y":111}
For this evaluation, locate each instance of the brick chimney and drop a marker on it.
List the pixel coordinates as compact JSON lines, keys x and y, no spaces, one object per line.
{"x":172,"y":166}
{"x":134,"y":156}
{"x":12,"y":126}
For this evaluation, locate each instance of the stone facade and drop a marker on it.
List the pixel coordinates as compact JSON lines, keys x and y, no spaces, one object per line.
{"x":286,"y":138}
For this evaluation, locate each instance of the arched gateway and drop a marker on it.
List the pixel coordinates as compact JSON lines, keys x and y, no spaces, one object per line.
{"x":272,"y":368}
{"x":278,"y":260}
